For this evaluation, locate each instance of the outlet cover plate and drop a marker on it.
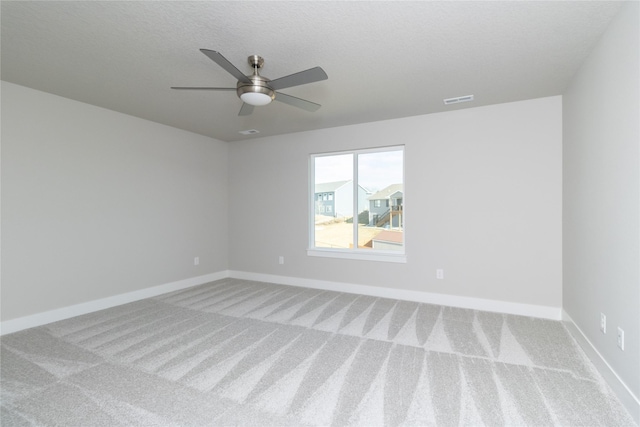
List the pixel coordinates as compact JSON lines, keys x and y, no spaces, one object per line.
{"x":620,"y":338}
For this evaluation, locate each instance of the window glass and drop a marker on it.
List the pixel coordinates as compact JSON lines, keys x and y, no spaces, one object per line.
{"x":331,"y":173}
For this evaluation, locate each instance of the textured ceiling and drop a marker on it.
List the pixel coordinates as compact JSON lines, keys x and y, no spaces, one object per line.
{"x":384,"y":59}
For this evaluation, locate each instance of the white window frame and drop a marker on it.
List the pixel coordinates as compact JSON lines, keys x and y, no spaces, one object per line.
{"x":355,"y":253}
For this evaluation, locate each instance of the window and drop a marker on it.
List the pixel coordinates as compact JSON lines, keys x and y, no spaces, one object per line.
{"x":360,"y":185}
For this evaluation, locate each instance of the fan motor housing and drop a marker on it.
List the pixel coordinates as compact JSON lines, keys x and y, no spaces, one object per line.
{"x":259,"y":85}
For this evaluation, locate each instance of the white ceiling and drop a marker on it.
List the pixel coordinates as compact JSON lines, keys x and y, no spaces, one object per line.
{"x":385,"y":60}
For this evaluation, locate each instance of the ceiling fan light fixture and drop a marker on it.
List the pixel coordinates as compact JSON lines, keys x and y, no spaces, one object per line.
{"x":257,"y":93}
{"x":256,"y":90}
{"x":256,"y":98}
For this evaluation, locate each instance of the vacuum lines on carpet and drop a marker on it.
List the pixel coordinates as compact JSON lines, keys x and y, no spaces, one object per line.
{"x":236,"y":352}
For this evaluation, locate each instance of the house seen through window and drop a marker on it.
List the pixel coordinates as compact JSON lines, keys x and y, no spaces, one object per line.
{"x":357,"y":199}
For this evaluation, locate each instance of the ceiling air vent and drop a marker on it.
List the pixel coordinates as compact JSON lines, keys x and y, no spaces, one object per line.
{"x":459,"y":99}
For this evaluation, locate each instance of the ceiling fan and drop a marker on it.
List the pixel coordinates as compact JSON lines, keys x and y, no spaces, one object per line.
{"x":257,"y":90}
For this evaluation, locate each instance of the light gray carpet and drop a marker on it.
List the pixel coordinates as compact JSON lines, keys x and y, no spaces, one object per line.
{"x":245,"y":353}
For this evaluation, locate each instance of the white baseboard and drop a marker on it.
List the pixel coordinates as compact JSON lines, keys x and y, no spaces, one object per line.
{"x":626,"y":396}
{"x":545,"y":312}
{"x":39,"y":319}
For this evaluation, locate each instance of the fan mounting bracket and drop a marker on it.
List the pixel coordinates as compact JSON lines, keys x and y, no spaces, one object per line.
{"x":256,"y":61}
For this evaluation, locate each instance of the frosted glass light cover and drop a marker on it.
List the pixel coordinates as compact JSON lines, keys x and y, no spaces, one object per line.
{"x":254,"y":98}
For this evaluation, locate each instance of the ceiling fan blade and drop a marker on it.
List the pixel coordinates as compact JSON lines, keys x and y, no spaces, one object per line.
{"x":246,"y":109}
{"x":303,"y":77}
{"x":224,"y":63}
{"x":204,"y":88}
{"x":297,"y":102}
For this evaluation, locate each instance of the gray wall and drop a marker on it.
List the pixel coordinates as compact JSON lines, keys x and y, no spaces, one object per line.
{"x":482,"y":196}
{"x":601,"y":219}
{"x":97,"y":203}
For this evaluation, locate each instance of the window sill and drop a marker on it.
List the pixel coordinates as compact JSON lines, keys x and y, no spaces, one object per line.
{"x":363,"y":256}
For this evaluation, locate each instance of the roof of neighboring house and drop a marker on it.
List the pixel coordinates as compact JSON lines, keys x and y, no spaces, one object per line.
{"x":327,"y":187}
{"x":389,"y":236}
{"x":386,"y":192}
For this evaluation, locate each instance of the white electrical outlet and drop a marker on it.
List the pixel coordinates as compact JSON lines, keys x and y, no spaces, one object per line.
{"x":603,"y":323}
{"x":620,"y":338}
{"x":439,"y":273}
{"x":280,"y":259}
{"x":196,"y":261}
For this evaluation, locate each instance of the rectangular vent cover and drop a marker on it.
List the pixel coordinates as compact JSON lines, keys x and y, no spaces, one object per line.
{"x":465,"y":98}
